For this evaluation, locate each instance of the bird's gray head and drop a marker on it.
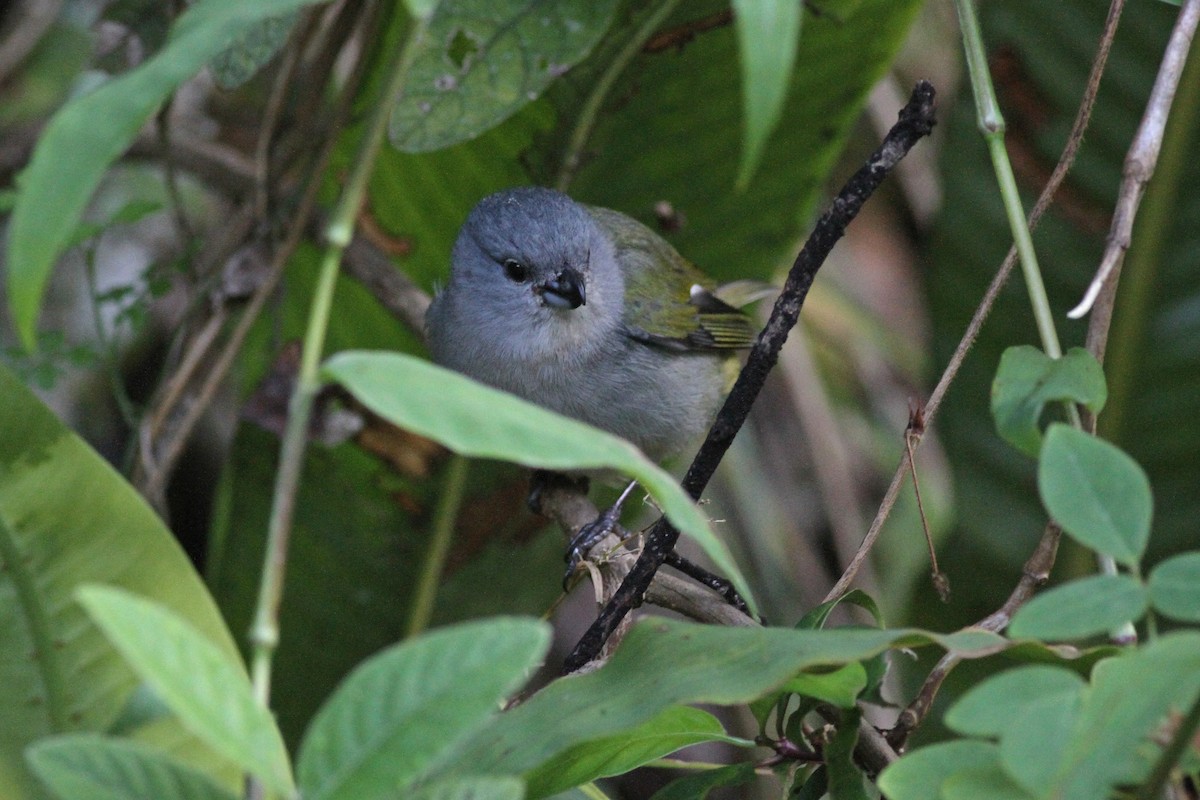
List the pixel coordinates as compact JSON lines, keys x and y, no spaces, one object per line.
{"x":532,"y":273}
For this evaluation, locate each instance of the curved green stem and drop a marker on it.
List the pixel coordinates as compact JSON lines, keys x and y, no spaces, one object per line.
{"x":421,"y":610}
{"x":264,"y":632}
{"x":590,"y":112}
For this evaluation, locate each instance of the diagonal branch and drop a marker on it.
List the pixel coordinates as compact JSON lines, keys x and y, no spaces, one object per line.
{"x":916,"y":121}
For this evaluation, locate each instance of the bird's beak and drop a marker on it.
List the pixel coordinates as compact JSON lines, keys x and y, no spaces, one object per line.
{"x":565,"y":290}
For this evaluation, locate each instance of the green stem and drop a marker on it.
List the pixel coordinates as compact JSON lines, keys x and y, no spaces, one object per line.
{"x":1152,"y":789}
{"x":439,"y":546}
{"x":991,"y":125}
{"x":592,"y":792}
{"x":264,"y":632}
{"x":590,"y":112}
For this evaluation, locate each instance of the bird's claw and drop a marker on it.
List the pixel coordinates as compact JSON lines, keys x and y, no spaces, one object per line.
{"x":586,"y":538}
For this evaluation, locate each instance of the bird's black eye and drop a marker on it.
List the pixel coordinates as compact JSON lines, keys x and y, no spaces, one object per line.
{"x":515,"y":270}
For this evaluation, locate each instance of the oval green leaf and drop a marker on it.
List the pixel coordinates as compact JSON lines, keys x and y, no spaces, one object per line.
{"x":987,"y":709}
{"x":1097,"y":493}
{"x":90,"y":767}
{"x":919,"y":775}
{"x":401,"y":711}
{"x":208,"y":692}
{"x":1081,"y":608}
{"x":479,"y":61}
{"x":1027,"y":379}
{"x":480,"y":421}
{"x":1175,"y":587}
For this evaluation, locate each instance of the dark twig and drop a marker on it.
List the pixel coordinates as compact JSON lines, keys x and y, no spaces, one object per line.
{"x":1082,"y":118}
{"x":679,"y":36}
{"x":916,"y":121}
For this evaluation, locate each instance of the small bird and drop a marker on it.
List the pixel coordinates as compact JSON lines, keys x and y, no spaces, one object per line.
{"x":589,"y":313}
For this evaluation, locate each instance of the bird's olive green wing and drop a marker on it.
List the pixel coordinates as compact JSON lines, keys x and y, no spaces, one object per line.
{"x":668,"y":301}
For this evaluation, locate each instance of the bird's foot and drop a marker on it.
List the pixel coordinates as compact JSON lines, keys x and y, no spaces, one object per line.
{"x":591,"y":534}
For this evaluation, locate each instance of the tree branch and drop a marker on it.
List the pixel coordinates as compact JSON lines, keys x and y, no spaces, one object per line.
{"x":916,"y":121}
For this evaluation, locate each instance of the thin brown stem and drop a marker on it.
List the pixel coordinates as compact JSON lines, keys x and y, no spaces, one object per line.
{"x":1082,"y":117}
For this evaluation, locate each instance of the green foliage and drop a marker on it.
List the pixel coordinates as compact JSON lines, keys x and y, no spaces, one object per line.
{"x":1081,"y":608}
{"x":1175,"y":587}
{"x":486,"y":88}
{"x":477,"y":420}
{"x":1097,"y":493}
{"x":1050,"y":735}
{"x":202,"y":686}
{"x":768,"y":37}
{"x":57,"y":185}
{"x":90,"y":767}
{"x":479,"y":61}
{"x":1027,"y":379}
{"x":673,"y":729}
{"x":68,"y":519}
{"x":405,"y":710}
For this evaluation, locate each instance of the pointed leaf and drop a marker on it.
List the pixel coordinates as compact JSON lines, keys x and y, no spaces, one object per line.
{"x":1097,"y":493}
{"x":768,"y":36}
{"x":705,"y":664}
{"x":697,"y":787}
{"x":89,"y":132}
{"x":1027,"y":379}
{"x":68,"y":518}
{"x":89,"y":767}
{"x":673,"y":729}
{"x":207,"y":691}
{"x":403,"y":709}
{"x":1081,"y":608}
{"x":477,"y":420}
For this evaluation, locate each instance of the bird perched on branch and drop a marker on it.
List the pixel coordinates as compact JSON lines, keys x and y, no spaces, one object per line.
{"x":589,"y":313}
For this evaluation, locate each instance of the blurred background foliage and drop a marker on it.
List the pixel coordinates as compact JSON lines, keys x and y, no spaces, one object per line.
{"x":663,"y":144}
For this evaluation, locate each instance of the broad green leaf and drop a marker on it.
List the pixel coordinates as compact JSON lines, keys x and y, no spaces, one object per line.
{"x":1131,"y":697}
{"x":987,"y":709}
{"x":663,"y":663}
{"x":410,"y":705}
{"x":207,"y":690}
{"x":673,"y":133}
{"x":67,"y":518}
{"x":920,"y":774}
{"x":1175,"y":587}
{"x":988,"y":782}
{"x":673,"y":729}
{"x":470,"y":788}
{"x":479,"y":61}
{"x":1081,"y":608}
{"x":697,"y":787}
{"x":768,"y":34}
{"x":840,"y":686}
{"x":1097,"y":493}
{"x":477,"y":420}
{"x":89,"y":132}
{"x":1027,"y":379}
{"x":89,"y":767}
